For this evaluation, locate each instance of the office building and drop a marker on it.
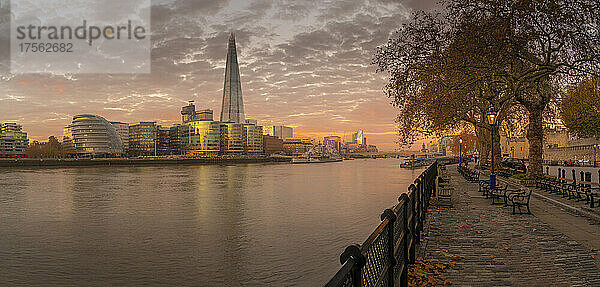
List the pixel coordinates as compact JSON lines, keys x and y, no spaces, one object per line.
{"x":297,"y":146}
{"x":334,"y":142}
{"x":175,"y":139}
{"x":272,"y":144}
{"x":232,"y":106}
{"x":163,"y":140}
{"x":142,"y":139}
{"x":201,"y":138}
{"x":232,"y":138}
{"x":13,"y":141}
{"x":359,"y":138}
{"x":123,"y":131}
{"x":253,"y":139}
{"x":283,"y":132}
{"x":189,"y":114}
{"x":94,"y":136}
{"x":67,"y":142}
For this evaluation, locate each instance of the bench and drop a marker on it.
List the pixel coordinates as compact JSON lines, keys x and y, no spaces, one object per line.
{"x":445,"y":193}
{"x":499,"y":194}
{"x":518,"y":199}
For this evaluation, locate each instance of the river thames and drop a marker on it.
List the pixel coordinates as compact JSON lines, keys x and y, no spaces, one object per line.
{"x":211,"y":225}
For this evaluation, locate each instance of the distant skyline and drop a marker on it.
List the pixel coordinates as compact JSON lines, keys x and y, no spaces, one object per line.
{"x":303,"y":64}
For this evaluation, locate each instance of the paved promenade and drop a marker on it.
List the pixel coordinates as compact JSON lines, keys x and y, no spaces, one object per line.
{"x":493,"y":247}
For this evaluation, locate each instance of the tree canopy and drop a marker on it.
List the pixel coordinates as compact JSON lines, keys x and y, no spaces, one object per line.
{"x":580,"y":108}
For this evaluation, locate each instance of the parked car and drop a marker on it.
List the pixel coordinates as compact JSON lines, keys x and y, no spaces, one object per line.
{"x":515,"y":163}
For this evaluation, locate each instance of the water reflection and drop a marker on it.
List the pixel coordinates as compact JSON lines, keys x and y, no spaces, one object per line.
{"x":257,"y":224}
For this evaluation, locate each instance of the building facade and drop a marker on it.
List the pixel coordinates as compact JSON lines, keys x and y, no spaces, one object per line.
{"x":232,"y":106}
{"x":123,"y":131}
{"x":334,"y":142}
{"x":253,"y":139}
{"x":143,"y":139}
{"x":94,"y":136}
{"x":232,"y":139}
{"x":283,"y":132}
{"x":272,"y":145}
{"x":297,"y":146}
{"x":13,"y":141}
{"x":201,"y":138}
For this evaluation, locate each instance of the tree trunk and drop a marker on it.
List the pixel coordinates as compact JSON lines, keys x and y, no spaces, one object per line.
{"x":483,"y":144}
{"x":497,"y":148}
{"x":535,"y":136}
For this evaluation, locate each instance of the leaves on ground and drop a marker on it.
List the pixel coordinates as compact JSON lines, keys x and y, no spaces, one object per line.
{"x":425,"y":272}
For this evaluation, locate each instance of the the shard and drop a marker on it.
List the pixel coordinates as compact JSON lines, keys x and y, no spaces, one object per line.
{"x":232,"y":108}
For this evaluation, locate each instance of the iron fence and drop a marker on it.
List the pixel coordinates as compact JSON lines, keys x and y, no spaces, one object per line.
{"x":382,"y":260}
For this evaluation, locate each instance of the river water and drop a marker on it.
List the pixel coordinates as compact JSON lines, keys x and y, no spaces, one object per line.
{"x":250,"y":225}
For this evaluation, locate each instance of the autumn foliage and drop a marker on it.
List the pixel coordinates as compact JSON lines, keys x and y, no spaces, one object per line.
{"x":580,"y":108}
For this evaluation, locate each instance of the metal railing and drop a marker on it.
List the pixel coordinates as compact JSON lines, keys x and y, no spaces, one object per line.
{"x":382,"y":260}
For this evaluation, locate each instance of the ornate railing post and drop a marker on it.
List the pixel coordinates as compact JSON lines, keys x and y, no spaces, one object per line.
{"x":353,"y":251}
{"x":417,"y":211}
{"x":404,"y":199}
{"x":391,"y":216}
{"x":411,"y":223}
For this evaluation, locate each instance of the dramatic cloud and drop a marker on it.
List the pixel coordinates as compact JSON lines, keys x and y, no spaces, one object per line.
{"x":303,"y":63}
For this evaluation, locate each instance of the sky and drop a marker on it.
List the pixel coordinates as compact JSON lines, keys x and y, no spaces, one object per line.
{"x":305,"y":64}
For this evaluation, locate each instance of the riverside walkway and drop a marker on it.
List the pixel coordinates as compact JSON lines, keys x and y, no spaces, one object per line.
{"x":492,"y":247}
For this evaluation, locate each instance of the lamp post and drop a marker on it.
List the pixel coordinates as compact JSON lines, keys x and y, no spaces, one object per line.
{"x":491,"y":117}
{"x":512,"y":149}
{"x":460,"y":151}
{"x":595,"y":148}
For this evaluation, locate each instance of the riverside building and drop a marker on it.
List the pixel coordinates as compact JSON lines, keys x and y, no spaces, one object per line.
{"x":232,"y":138}
{"x":142,"y":139}
{"x":93,"y":136}
{"x":123,"y":131}
{"x":201,"y":138}
{"x":253,"y":139}
{"x":13,"y":141}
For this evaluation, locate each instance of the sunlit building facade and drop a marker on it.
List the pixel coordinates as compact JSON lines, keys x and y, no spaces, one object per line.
{"x":253,"y":139}
{"x":13,"y":141}
{"x":201,"y":138}
{"x":283,"y":132}
{"x":232,"y":138}
{"x":67,"y":142}
{"x":334,"y":142}
{"x":94,"y":136}
{"x":297,"y":146}
{"x":142,"y":139}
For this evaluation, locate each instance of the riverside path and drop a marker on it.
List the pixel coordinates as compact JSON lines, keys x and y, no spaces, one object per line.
{"x":492,"y":247}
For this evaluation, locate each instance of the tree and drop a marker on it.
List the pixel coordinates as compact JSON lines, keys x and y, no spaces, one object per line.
{"x":580,"y":108}
{"x":489,"y":52}
{"x":50,"y":149}
{"x":549,"y":43}
{"x":437,"y":80}
{"x":468,"y":145}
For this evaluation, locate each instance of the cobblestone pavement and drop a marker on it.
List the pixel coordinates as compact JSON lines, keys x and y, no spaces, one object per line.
{"x":502,"y":249}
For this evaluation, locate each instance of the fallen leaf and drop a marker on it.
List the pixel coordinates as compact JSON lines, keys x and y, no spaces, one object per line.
{"x":447,"y":283}
{"x":492,"y":256}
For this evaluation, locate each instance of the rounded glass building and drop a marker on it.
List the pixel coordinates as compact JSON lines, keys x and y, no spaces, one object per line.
{"x":95,"y":136}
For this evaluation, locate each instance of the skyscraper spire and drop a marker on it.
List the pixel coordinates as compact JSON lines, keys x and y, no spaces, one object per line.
{"x":232,"y":108}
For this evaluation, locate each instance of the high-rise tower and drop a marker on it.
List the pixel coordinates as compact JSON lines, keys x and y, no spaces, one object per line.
{"x":232,"y":108}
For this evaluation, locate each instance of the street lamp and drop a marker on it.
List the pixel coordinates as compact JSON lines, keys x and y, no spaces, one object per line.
{"x":491,"y":117}
{"x":460,"y":151}
{"x":595,"y":148}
